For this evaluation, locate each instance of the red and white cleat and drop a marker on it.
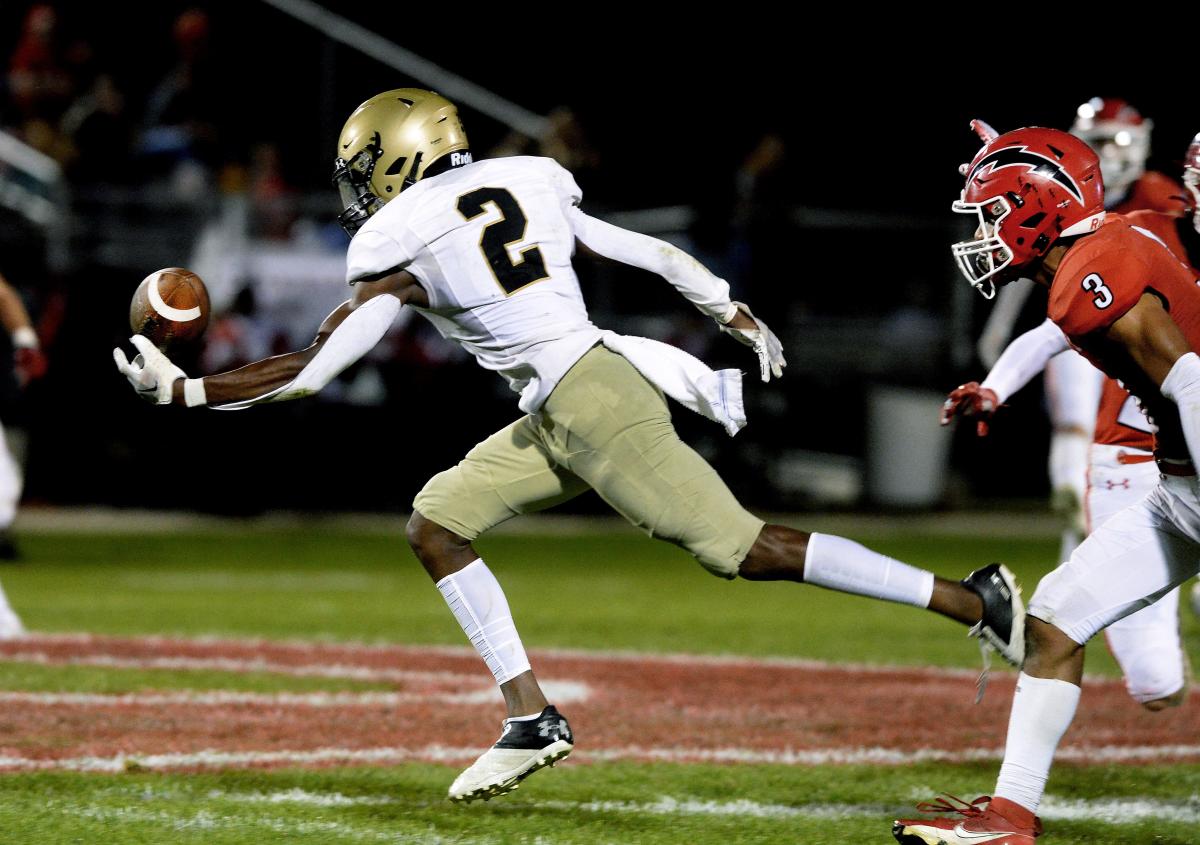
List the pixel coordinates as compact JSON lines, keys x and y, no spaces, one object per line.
{"x":996,"y":821}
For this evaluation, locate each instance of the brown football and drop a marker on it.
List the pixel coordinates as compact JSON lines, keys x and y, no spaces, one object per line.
{"x":170,"y":307}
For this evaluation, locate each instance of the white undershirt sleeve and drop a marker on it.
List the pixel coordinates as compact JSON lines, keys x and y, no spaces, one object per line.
{"x":355,"y":337}
{"x":1182,"y":386}
{"x":707,"y":292}
{"x":1024,"y":358}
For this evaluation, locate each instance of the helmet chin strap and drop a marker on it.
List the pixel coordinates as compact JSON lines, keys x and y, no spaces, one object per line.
{"x":411,"y":178}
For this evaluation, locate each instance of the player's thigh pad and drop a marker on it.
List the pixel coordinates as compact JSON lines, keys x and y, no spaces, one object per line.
{"x":613,"y":429}
{"x":1126,"y":564}
{"x":507,"y":474}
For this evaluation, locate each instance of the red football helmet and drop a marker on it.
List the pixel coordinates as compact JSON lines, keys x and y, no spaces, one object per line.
{"x":1028,"y":188}
{"x":1120,"y":136}
{"x":1191,"y":177}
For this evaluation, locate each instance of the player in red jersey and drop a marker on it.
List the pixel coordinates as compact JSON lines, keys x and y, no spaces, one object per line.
{"x":1119,"y":468}
{"x":1120,"y":136}
{"x":1133,"y":309}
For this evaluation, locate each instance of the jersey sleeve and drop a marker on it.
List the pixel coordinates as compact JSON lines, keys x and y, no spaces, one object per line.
{"x":371,"y":254}
{"x":565,"y":186}
{"x":1095,"y":286}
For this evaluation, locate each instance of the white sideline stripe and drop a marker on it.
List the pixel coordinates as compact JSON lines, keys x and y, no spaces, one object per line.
{"x":1112,"y":811}
{"x":350,"y":649}
{"x":443,"y":754}
{"x":558,"y":690}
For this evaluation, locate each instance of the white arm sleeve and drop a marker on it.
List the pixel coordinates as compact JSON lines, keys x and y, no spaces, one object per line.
{"x":1024,"y":358}
{"x":701,"y":288}
{"x":351,"y":340}
{"x":1182,"y":386}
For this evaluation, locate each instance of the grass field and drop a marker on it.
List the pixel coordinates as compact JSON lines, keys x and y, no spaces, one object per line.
{"x":611,"y":591}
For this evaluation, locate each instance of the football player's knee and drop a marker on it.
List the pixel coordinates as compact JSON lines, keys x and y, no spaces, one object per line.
{"x":428,"y":539}
{"x":1167,"y":701}
{"x":1045,"y":641}
{"x":1157,"y":683}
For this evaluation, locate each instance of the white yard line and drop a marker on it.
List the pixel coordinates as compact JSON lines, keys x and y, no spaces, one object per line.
{"x":444,"y":754}
{"x":1112,"y":811}
{"x":571,"y":691}
{"x":348,"y":650}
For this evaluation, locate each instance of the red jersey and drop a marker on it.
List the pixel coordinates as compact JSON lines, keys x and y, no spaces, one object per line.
{"x":1153,"y":192}
{"x":1119,"y":421}
{"x":1102,"y":276}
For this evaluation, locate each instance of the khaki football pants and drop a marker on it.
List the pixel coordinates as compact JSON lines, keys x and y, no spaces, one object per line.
{"x":604,"y":427}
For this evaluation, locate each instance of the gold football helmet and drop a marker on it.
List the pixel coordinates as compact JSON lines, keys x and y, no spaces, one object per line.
{"x":388,"y":143}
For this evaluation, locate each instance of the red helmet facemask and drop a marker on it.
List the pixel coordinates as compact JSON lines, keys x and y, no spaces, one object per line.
{"x":1027,"y":188}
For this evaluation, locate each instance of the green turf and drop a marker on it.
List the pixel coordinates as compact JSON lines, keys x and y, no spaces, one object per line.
{"x":604,"y":591}
{"x":30,"y":677}
{"x":623,"y":804}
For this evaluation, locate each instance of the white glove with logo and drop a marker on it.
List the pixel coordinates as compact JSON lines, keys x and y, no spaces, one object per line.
{"x":151,"y":373}
{"x":761,"y":339}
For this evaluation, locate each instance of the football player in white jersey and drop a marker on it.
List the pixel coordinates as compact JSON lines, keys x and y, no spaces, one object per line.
{"x":484,"y":250}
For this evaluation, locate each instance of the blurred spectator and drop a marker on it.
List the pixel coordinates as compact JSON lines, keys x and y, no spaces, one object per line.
{"x":39,"y":81}
{"x":240,"y":336}
{"x":100,"y":133}
{"x":272,"y":197}
{"x":42,"y":77}
{"x":564,"y":140}
{"x":179,"y":134}
{"x":763,"y":232}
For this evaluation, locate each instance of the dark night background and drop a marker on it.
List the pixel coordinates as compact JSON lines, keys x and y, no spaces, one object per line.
{"x":874,"y":121}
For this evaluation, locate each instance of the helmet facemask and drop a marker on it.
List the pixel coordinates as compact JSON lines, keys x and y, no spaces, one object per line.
{"x":984,"y":257}
{"x":353,"y":180}
{"x":389,"y":143}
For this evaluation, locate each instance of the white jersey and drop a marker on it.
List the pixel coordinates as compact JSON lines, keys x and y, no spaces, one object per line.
{"x":491,"y":244}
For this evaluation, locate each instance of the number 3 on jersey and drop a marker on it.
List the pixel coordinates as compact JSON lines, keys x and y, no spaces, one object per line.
{"x":509,"y":229}
{"x":1103,"y":297}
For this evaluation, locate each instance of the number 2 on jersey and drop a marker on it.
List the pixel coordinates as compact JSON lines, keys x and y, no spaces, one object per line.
{"x":509,"y":229}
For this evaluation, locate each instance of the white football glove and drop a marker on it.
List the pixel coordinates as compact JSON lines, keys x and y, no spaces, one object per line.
{"x":151,"y":373}
{"x":762,"y":340}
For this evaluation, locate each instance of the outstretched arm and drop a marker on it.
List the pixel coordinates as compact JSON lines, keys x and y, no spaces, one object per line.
{"x":692,"y":279}
{"x":347,"y":334}
{"x":707,"y":292}
{"x":1024,"y":358}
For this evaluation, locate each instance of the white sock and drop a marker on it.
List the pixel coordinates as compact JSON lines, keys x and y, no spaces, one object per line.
{"x":478,"y":603}
{"x":843,"y":565}
{"x":1041,"y":713}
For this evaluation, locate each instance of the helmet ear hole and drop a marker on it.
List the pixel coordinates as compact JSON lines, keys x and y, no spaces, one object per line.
{"x":397,"y":166}
{"x":1033,"y":221}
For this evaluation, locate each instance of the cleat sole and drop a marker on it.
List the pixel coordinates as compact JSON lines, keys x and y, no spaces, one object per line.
{"x":554,"y":752}
{"x":905,"y":835}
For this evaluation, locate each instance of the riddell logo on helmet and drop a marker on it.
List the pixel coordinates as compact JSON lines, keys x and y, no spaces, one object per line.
{"x":459,"y":159}
{"x":1034,"y":162}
